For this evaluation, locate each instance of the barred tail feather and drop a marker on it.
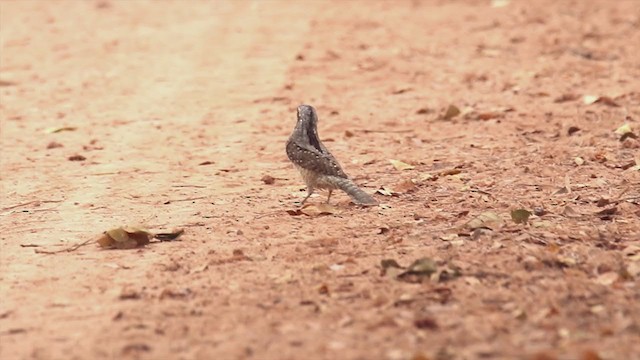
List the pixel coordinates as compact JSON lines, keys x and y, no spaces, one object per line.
{"x":358,"y":195}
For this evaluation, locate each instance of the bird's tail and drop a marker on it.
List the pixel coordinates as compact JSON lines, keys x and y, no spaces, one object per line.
{"x":358,"y":195}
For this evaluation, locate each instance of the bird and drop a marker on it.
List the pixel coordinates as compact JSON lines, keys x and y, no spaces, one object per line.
{"x":318,"y":167}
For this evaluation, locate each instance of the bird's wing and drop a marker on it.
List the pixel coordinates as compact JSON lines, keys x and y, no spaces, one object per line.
{"x":308,"y":157}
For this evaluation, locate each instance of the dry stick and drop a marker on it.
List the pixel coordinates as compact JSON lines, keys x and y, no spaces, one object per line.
{"x":384,"y":131}
{"x":31,"y":202}
{"x":69,"y":249}
{"x":189,"y":199}
{"x":625,"y":199}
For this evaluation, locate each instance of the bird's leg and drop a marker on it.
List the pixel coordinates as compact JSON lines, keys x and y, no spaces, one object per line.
{"x":309,"y":193}
{"x":329,"y":197}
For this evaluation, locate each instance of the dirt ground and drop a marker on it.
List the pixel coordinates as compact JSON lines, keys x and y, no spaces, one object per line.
{"x":174,"y":115}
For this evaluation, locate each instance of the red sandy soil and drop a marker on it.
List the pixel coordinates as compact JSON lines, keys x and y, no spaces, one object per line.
{"x":180,"y":109}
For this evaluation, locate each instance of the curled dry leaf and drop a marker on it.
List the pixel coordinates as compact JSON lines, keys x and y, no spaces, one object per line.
{"x":399,"y":165}
{"x":520,"y":216}
{"x":499,"y":3}
{"x":566,"y":97}
{"x":169,"y":236}
{"x":268,"y":179}
{"x":390,"y":267}
{"x":449,"y":172}
{"x":54,"y":145}
{"x":419,"y":270}
{"x":592,"y":99}
{"x":404,"y":187}
{"x":488,"y":220}
{"x":607,"y":214}
{"x":318,"y":209}
{"x":386,"y":191}
{"x":77,"y":158}
{"x":624,"y":129}
{"x":451,"y":112}
{"x":128,"y":237}
{"x":572,"y":130}
{"x":570,"y":213}
{"x":57,"y":129}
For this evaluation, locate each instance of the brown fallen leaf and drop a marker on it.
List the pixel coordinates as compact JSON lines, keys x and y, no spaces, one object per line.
{"x":606,"y":100}
{"x":607,"y":214}
{"x":566,"y":97}
{"x":390,"y":267}
{"x":386,"y":191}
{"x":572,"y":130}
{"x":488,"y":115}
{"x":169,"y":236}
{"x":268,"y":179}
{"x":399,"y":165}
{"x":489,"y":220}
{"x":76,"y":158}
{"x":318,"y":209}
{"x":419,"y":270}
{"x":128,"y":237}
{"x":520,"y":216}
{"x":404,"y":187}
{"x":54,"y":145}
{"x":57,"y":129}
{"x":451,"y":112}
{"x":426,"y":322}
{"x":569,"y":212}
{"x":449,"y":172}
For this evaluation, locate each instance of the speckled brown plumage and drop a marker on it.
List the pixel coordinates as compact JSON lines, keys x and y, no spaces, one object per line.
{"x":319,"y":169}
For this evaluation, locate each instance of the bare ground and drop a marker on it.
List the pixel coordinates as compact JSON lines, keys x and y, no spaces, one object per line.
{"x":180,"y":109}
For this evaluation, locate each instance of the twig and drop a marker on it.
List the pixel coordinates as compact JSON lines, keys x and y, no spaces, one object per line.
{"x":189,"y":199}
{"x":31,"y":202}
{"x":630,"y":198}
{"x":384,"y":131}
{"x":69,"y":249}
{"x":260,"y":216}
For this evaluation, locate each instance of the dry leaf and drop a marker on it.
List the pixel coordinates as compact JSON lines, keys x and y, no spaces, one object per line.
{"x":318,"y":209}
{"x":169,"y":236}
{"x":566,"y":97}
{"x":77,"y":158}
{"x":592,"y":99}
{"x":404,"y":187}
{"x":607,"y":214}
{"x":624,"y":129}
{"x":128,"y":237}
{"x":452,"y":111}
{"x":489,"y":220}
{"x":607,"y":278}
{"x":448,"y":172}
{"x":499,"y":3}
{"x":57,"y":129}
{"x":419,"y":270}
{"x":268,"y":179}
{"x":388,"y":264}
{"x":53,"y":145}
{"x":520,"y":216}
{"x":489,"y":115}
{"x":572,"y":130}
{"x":399,"y":165}
{"x":383,"y":190}
{"x":570,"y":213}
